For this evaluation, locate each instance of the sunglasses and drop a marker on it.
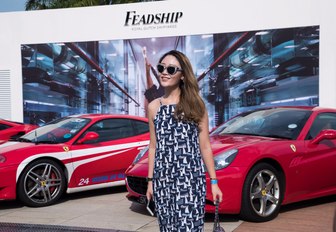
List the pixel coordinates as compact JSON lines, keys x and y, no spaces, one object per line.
{"x":171,"y":70}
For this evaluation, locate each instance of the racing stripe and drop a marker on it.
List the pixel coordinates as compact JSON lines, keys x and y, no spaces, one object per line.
{"x":6,"y":144}
{"x":82,"y":156}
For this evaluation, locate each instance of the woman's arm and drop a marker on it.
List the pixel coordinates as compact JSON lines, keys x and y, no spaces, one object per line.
{"x":207,"y":156}
{"x":152,"y":146}
{"x":205,"y":146}
{"x":152,"y":110}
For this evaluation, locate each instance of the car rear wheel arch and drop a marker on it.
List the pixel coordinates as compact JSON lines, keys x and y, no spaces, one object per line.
{"x":252,"y":193}
{"x":59,"y":172}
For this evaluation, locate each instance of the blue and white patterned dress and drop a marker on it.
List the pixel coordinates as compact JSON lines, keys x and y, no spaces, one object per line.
{"x":179,"y":178}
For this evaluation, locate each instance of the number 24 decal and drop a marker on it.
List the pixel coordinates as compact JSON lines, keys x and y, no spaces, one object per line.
{"x":83,"y":181}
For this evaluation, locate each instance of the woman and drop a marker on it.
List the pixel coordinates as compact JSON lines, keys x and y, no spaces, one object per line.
{"x":179,"y":145}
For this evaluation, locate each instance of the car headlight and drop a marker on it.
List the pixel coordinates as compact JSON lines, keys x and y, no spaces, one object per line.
{"x":2,"y":159}
{"x":140,"y":155}
{"x":224,"y":159}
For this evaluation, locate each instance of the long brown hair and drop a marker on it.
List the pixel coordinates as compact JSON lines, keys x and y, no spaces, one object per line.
{"x":191,"y":107}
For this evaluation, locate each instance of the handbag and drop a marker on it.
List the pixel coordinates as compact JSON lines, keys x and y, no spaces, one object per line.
{"x":217,"y":227}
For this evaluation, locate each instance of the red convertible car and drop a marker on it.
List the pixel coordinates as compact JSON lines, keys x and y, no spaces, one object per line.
{"x":71,"y":154}
{"x":10,"y":129}
{"x":264,"y":159}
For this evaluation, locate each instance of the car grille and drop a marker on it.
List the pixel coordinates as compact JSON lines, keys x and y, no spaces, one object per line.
{"x":137,"y":184}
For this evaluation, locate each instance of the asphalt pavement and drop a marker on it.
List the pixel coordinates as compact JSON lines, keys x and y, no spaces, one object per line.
{"x":108,"y":210}
{"x":105,"y":209}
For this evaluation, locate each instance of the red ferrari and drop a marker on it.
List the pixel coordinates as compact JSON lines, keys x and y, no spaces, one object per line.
{"x":71,"y":154}
{"x":264,"y":159}
{"x":10,"y":129}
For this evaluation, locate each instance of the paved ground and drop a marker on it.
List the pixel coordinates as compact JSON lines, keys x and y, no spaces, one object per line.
{"x":109,"y":210}
{"x":105,"y":209}
{"x":316,"y":215}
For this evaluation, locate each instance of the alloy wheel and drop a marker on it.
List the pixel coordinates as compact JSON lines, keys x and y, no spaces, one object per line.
{"x":43,"y":183}
{"x":264,"y":193}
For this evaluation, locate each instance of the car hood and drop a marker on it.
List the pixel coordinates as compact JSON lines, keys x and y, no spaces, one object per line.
{"x":219,"y":143}
{"x":12,"y":145}
{"x":228,"y":141}
{"x":17,"y":147}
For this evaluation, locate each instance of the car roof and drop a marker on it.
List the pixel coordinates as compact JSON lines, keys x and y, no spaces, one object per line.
{"x":310,"y":108}
{"x":5,"y":121}
{"x":292,"y":107}
{"x":320,"y":108}
{"x":103,"y":116}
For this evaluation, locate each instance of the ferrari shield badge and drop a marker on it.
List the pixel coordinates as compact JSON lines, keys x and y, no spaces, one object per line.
{"x":66,"y":149}
{"x":293,"y":147}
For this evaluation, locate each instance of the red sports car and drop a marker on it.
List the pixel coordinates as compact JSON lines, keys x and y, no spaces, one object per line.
{"x":264,"y":159}
{"x":10,"y":129}
{"x":71,"y":154}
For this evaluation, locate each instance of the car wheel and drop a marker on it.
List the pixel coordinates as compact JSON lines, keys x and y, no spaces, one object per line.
{"x":262,"y":193}
{"x":41,"y":183}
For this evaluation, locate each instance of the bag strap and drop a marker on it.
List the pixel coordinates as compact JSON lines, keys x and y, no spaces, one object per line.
{"x":216,"y":223}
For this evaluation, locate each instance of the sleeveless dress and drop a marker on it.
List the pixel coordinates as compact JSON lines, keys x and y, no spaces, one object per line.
{"x":179,"y":184}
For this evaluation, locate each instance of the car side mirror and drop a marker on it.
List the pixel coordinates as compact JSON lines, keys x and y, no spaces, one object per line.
{"x":324,"y":134}
{"x":89,"y":136}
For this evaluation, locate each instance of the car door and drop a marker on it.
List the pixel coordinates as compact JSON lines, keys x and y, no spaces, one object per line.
{"x":107,"y":158}
{"x":316,"y":168}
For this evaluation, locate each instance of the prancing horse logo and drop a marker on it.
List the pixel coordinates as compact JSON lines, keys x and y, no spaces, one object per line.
{"x":293,"y":147}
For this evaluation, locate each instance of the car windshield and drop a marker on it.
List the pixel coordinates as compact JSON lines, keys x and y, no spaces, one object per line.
{"x":58,"y":131}
{"x":285,"y":123}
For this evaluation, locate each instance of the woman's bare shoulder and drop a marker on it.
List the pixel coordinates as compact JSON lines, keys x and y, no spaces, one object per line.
{"x":153,"y":106}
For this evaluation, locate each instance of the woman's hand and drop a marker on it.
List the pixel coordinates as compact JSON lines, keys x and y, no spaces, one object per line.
{"x":216,"y":193}
{"x":149,"y":193}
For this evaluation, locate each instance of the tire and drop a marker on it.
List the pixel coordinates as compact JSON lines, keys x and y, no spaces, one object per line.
{"x":41,"y":183}
{"x":262,"y":195}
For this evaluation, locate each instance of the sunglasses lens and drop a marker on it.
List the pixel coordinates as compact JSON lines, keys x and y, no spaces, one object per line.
{"x":171,"y":70}
{"x":160,"y":68}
